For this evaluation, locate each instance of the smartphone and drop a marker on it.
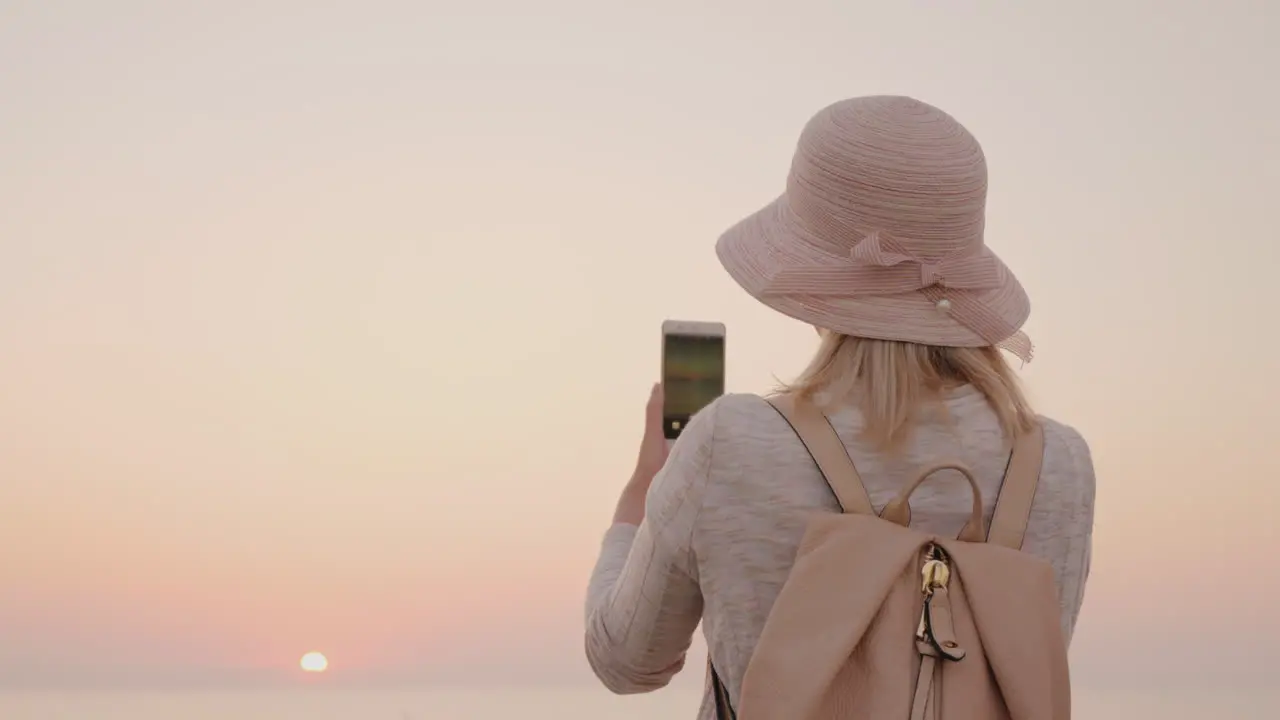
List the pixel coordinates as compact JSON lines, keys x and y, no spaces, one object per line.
{"x":692,"y":370}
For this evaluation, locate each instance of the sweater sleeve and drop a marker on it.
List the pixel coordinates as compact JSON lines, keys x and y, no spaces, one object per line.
{"x":1077,"y":556}
{"x":643,"y":601}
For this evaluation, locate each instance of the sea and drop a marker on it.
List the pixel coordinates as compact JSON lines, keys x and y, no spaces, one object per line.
{"x":525,"y":704}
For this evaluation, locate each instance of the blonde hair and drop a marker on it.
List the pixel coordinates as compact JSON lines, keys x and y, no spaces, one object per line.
{"x":893,"y":382}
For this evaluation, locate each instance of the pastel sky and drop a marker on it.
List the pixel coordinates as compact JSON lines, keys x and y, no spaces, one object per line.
{"x":328,"y":325}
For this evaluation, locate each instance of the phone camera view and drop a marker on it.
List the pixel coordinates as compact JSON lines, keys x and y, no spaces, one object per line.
{"x":693,"y":376}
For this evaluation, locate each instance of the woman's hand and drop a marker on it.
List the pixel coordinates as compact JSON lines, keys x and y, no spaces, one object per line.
{"x":651,"y":458}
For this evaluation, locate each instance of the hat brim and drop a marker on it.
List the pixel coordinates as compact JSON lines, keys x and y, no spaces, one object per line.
{"x":761,"y":245}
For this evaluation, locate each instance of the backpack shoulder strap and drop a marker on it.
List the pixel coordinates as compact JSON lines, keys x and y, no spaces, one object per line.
{"x":827,"y":451}
{"x":1013,"y":506}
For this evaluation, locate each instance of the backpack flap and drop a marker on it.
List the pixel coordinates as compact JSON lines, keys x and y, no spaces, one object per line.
{"x":835,"y":608}
{"x":1012,"y":601}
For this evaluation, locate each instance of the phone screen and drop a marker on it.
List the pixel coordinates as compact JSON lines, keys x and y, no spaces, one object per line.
{"x":692,"y":376}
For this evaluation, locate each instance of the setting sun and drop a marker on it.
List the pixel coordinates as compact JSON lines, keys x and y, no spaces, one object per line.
{"x":314,"y":662}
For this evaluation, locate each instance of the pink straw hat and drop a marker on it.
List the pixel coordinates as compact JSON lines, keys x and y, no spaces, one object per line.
{"x":879,"y":233}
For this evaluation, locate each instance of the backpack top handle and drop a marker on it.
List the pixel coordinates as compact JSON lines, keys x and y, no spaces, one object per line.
{"x":899,"y":509}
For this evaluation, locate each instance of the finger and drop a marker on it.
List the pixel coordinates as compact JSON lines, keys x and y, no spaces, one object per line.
{"x":653,"y":409}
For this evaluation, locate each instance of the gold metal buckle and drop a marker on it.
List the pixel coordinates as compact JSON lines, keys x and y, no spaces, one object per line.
{"x":934,"y":574}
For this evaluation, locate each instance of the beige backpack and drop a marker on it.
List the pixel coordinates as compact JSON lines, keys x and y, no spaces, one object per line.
{"x":881,"y":622}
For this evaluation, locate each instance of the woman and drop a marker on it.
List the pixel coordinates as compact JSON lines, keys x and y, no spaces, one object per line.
{"x":878,"y":243}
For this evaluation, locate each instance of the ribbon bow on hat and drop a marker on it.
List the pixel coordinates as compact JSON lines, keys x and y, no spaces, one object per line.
{"x":968,"y":272}
{"x":881,"y":266}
